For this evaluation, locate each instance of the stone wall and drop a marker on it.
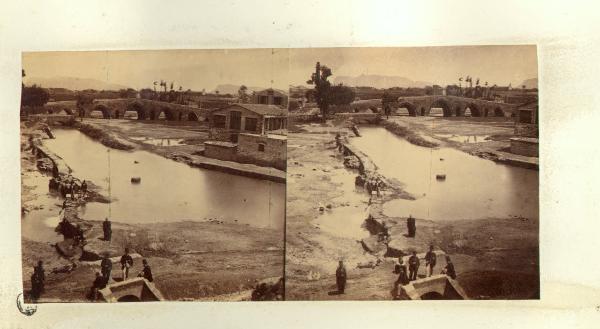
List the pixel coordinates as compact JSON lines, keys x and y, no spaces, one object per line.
{"x":525,"y":146}
{"x":220,"y":150}
{"x":263,"y":150}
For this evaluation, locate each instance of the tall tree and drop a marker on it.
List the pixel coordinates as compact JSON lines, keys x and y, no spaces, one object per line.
{"x":243,"y":94}
{"x":322,"y":87}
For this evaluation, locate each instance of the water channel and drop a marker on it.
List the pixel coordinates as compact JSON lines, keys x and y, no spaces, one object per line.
{"x":474,"y":188}
{"x":169,"y":191}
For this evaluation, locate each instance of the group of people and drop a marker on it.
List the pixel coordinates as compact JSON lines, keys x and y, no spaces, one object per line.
{"x":374,"y":184}
{"x":103,"y":277}
{"x":404,"y":276}
{"x":69,"y":187}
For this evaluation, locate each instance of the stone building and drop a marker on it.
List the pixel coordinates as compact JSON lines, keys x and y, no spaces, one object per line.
{"x":228,"y":122}
{"x":249,"y":133}
{"x":270,"y":97}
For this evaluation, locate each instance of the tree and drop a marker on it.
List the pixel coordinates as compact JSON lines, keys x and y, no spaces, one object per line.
{"x":34,"y":96}
{"x":243,"y":94}
{"x":147,"y":93}
{"x":322,"y":87}
{"x":341,"y":95}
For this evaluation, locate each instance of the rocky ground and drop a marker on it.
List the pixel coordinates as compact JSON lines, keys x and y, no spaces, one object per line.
{"x":207,"y":260}
{"x":494,"y":258}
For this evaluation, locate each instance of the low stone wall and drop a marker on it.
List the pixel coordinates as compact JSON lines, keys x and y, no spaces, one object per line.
{"x":60,"y":167}
{"x":220,"y":150}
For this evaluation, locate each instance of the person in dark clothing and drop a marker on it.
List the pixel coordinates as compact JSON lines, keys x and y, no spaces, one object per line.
{"x":413,"y":266}
{"x":449,"y":269}
{"x":412,"y":226}
{"x":106,"y":266}
{"x":146,"y":272}
{"x":106,"y":227}
{"x":38,"y":279}
{"x":99,"y":283}
{"x":79,"y":238}
{"x":64,"y":206}
{"x":401,"y":271}
{"x":83,"y":189}
{"x":430,"y":261}
{"x":126,"y":263}
{"x":72,"y":190}
{"x":340,"y":277}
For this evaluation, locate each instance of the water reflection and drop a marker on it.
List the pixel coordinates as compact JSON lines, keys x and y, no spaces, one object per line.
{"x":473,"y":188}
{"x":169,"y":191}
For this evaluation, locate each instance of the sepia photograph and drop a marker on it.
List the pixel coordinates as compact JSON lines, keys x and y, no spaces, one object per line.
{"x":413,"y":174}
{"x":153,"y":175}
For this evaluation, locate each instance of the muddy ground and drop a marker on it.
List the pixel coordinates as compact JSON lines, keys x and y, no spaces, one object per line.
{"x":494,"y":258}
{"x":205,"y":260}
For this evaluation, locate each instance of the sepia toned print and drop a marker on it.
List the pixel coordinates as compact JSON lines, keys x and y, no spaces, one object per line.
{"x":153,"y":175}
{"x":413,"y":174}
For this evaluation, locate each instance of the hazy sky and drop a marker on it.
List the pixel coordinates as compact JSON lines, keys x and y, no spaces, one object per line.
{"x":278,"y":68}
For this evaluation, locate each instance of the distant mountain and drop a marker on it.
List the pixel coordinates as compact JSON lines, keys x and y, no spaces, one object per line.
{"x":233,"y":89}
{"x":379,"y":81}
{"x":72,"y":83}
{"x":529,"y":83}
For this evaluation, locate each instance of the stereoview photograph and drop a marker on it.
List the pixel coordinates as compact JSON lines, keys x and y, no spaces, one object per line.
{"x":413,"y":174}
{"x":153,"y":175}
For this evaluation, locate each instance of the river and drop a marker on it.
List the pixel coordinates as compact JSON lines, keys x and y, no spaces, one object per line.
{"x":169,"y":190}
{"x":474,"y":188}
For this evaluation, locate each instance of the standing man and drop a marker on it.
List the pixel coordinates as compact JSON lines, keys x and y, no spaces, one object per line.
{"x":430,"y":260}
{"x":38,"y":278}
{"x":83,"y":188}
{"x":340,"y":277}
{"x":106,"y":227}
{"x":98,"y":284}
{"x":401,"y":271}
{"x":413,"y":266}
{"x":126,"y":263}
{"x":411,"y":226}
{"x":106,"y":266}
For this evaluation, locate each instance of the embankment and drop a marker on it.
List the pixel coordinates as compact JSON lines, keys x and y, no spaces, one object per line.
{"x":407,"y":134}
{"x":103,"y":137}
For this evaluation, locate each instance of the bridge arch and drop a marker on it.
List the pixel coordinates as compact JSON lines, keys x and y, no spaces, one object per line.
{"x":474,"y":109}
{"x":498,"y":112}
{"x":138,"y":108}
{"x":442,"y":103}
{"x":166,"y":113}
{"x":412,"y":110}
{"x":192,"y":117}
{"x":103,"y":109}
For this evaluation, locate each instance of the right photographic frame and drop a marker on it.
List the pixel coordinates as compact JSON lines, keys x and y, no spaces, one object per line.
{"x":412,"y":173}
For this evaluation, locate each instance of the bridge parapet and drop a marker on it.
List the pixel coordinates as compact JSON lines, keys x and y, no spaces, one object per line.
{"x":452,"y":106}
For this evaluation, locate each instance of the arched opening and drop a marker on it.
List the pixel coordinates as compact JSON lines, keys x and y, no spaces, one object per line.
{"x":66,"y":111}
{"x":100,"y":111}
{"x":165,"y":114}
{"x":129,"y":298}
{"x":486,"y":112}
{"x":440,"y":108}
{"x":135,"y":111}
{"x":192,"y":117}
{"x":408,"y":107}
{"x":459,"y":112}
{"x":498,"y":112}
{"x":475,"y":112}
{"x":432,"y":295}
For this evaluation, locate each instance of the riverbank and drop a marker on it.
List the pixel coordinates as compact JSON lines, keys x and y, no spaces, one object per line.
{"x":190,"y":260}
{"x":495,"y":258}
{"x":183,"y":143}
{"x":487,"y":137}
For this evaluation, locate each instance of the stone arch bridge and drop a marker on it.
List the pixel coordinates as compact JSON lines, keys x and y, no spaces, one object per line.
{"x":453,"y":106}
{"x":144,"y":109}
